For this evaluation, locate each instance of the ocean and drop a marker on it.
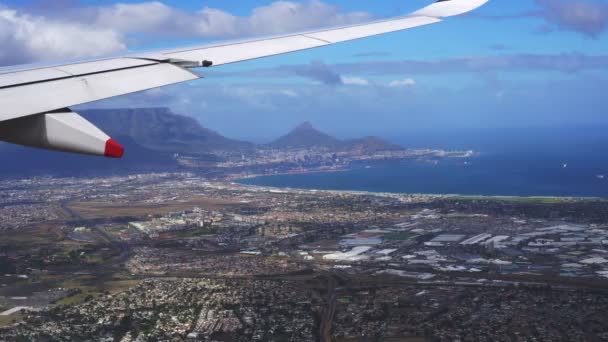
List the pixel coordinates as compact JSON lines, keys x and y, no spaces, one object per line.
{"x":566,"y":161}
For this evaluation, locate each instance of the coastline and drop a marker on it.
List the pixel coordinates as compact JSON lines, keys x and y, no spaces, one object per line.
{"x":237,"y":180}
{"x":422,"y":154}
{"x":343,"y":168}
{"x":507,"y":198}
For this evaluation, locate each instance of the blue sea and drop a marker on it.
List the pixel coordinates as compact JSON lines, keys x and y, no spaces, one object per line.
{"x":562,"y":161}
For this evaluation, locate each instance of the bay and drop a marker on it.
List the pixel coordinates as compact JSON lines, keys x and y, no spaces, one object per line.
{"x":564,"y":164}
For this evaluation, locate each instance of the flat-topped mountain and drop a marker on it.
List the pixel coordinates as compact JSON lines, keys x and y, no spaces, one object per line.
{"x":160,"y":129}
{"x":152,"y":135}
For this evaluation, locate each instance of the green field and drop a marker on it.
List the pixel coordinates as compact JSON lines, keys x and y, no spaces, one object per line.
{"x":542,"y":200}
{"x":8,"y":320}
{"x":401,"y":236}
{"x":89,"y":288}
{"x":196,"y":232}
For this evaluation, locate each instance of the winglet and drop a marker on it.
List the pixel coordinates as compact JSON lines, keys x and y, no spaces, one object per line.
{"x":449,"y":8}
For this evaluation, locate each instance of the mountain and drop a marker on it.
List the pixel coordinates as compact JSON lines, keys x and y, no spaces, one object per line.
{"x":371,"y":144}
{"x":306,"y":136}
{"x":160,"y":129}
{"x":151,"y":136}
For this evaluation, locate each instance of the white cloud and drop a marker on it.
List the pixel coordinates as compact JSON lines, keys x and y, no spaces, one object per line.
{"x":408,"y":82}
{"x":289,"y":93}
{"x":584,"y":16}
{"x":285,"y":16}
{"x":25,"y":38}
{"x":159,"y":19}
{"x":142,"y":17}
{"x":278,"y":17}
{"x":352,"y":80}
{"x":61,"y":33}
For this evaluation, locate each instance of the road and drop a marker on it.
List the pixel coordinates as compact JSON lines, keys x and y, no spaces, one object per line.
{"x":123,"y":247}
{"x":327,"y":318}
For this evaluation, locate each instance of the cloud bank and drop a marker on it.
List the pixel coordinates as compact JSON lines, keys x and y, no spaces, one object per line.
{"x":26,"y":38}
{"x":336,"y":74}
{"x":587,"y":17}
{"x":583,"y":16}
{"x":278,"y":17}
{"x":73,"y":31}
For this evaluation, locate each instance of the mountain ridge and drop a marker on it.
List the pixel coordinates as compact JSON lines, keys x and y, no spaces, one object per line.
{"x":158,"y":128}
{"x":306,"y":135}
{"x":152,"y":136}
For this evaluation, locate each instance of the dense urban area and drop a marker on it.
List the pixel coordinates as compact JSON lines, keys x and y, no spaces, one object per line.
{"x":174,"y":256}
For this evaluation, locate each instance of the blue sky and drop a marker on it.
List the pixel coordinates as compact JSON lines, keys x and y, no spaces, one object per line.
{"x":509,"y":64}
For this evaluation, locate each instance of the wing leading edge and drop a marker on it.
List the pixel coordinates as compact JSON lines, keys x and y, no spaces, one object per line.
{"x":30,"y":91}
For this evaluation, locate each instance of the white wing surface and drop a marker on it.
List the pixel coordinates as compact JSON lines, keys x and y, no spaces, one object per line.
{"x":33,"y":97}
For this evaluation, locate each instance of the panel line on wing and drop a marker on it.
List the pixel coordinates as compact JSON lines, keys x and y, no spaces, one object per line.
{"x":42,"y":97}
{"x":73,"y":76}
{"x":315,"y":38}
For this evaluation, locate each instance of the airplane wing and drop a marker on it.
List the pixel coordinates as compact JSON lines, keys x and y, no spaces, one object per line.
{"x":35,"y":101}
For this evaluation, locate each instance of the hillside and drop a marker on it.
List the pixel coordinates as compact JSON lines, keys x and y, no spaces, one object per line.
{"x":152,"y":135}
{"x":371,"y":144}
{"x":160,"y":129}
{"x":305,"y":136}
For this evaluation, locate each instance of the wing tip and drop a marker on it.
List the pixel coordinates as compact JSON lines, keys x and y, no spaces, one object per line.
{"x":450,"y":8}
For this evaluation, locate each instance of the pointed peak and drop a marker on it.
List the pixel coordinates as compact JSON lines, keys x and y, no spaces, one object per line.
{"x":305,"y":135}
{"x":307,"y":125}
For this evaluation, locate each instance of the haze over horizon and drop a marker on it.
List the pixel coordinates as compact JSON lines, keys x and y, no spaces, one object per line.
{"x":509,"y":64}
